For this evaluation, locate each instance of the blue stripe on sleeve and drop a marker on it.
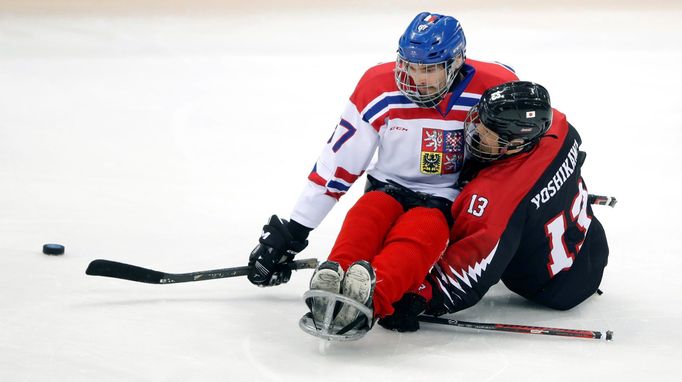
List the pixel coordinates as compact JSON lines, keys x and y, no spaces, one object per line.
{"x":337,"y":185}
{"x":379,"y":106}
{"x":466,"y":101}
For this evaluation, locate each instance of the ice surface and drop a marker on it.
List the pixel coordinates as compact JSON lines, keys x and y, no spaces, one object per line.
{"x":166,"y":140}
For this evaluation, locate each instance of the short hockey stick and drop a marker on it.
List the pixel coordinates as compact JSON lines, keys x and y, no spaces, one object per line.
{"x":602,"y":200}
{"x":108,"y":268}
{"x":608,"y":336}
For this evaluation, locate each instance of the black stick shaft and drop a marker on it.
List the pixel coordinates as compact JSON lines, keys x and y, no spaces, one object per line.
{"x":525,"y":329}
{"x":108,"y":268}
{"x":602,"y":200}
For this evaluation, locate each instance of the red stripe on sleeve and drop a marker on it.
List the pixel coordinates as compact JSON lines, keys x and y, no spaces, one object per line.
{"x":317,"y":179}
{"x":335,"y":195}
{"x":379,"y":121}
{"x":343,"y":174}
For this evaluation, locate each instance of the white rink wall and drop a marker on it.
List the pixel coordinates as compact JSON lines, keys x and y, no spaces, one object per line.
{"x":259,"y":6}
{"x":164,"y":133}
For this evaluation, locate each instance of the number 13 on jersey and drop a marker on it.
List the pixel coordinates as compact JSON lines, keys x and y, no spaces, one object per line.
{"x":561,"y":256}
{"x":477,"y":205}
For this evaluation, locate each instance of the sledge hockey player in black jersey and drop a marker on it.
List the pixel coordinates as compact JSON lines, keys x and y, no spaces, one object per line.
{"x":523,"y":217}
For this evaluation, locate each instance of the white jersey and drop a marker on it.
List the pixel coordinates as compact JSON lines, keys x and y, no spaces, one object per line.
{"x":419,"y":148}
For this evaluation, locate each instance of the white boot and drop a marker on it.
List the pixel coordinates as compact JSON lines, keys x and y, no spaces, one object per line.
{"x":358,"y":284}
{"x":327,"y":277}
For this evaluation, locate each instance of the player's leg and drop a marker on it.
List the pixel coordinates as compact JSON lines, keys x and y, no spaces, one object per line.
{"x":414,"y":244}
{"x":365,"y":228}
{"x":569,"y":288}
{"x":362,"y":235}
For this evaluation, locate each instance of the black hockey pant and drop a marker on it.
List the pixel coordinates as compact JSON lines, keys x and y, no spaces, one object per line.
{"x":569,"y":288}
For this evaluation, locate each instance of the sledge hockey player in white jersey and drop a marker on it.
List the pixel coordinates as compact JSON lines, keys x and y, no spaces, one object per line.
{"x":411,"y":111}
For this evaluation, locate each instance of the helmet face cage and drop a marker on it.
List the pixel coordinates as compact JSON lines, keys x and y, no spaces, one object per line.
{"x":420,"y":82}
{"x":483,"y":152}
{"x":430,"y":54}
{"x":519,"y":113}
{"x":472,"y":139}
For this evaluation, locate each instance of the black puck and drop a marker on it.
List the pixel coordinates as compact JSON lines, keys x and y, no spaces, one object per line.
{"x":53,"y":249}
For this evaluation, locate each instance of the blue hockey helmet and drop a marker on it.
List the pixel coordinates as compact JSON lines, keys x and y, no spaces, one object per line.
{"x":430,"y":54}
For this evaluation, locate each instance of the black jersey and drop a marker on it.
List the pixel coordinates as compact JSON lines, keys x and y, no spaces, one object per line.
{"x":525,"y":220}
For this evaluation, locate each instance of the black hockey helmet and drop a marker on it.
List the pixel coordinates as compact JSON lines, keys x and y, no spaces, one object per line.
{"x":518,"y":112}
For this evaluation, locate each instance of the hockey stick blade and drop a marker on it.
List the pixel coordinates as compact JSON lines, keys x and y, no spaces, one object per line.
{"x":524,"y":329}
{"x":108,"y":268}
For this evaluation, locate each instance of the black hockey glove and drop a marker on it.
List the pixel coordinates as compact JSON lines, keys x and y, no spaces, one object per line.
{"x":279,"y":242}
{"x":404,"y":318}
{"x":412,"y":304}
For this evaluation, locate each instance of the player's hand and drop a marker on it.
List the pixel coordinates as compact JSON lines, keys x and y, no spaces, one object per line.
{"x":269,"y":261}
{"x":404,"y":318}
{"x":427,"y":299}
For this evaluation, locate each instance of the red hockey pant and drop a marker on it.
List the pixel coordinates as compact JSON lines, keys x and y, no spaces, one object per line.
{"x":401,"y":246}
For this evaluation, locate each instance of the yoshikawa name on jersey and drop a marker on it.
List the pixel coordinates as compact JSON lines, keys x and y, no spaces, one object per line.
{"x":554,"y":185}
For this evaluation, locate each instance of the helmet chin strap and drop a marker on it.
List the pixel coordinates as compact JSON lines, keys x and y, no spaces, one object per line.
{"x":521,"y":147}
{"x":506,"y":146}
